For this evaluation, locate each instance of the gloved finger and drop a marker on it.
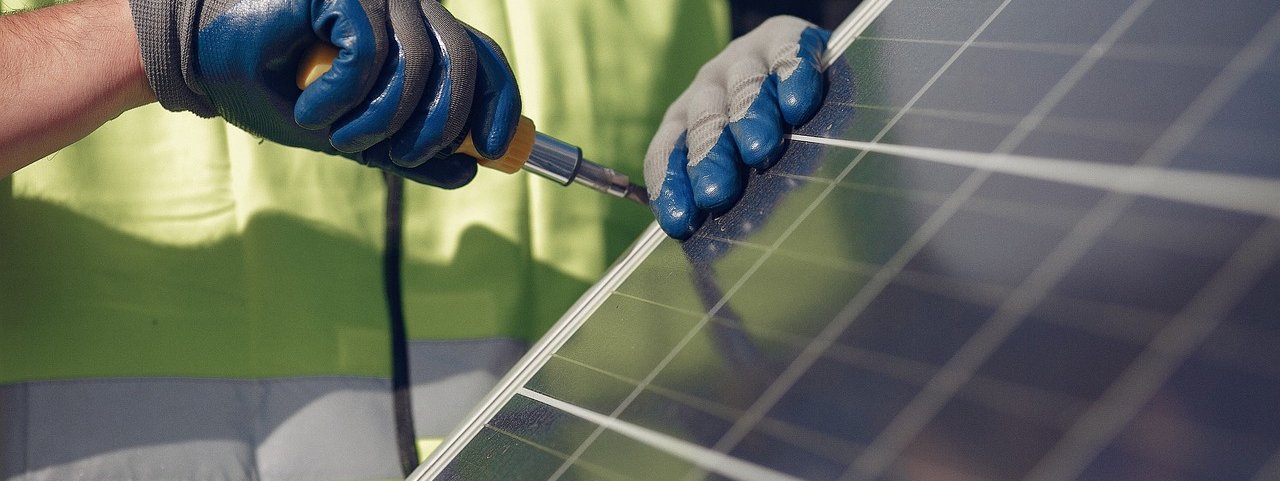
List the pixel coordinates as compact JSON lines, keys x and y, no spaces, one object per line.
{"x":397,"y":90}
{"x":754,"y":116}
{"x":441,"y":115}
{"x":672,"y":202}
{"x":799,"y":76}
{"x":495,"y":111}
{"x":655,"y":158}
{"x":360,"y":34}
{"x":715,"y":172}
{"x":449,"y":172}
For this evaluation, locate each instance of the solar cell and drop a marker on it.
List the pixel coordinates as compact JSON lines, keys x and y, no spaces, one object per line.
{"x":1024,"y":239}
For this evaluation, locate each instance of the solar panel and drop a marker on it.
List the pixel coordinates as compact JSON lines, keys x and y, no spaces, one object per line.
{"x":1024,"y":239}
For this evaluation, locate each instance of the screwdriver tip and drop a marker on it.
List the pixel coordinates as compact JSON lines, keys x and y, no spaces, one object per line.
{"x":638,"y":194}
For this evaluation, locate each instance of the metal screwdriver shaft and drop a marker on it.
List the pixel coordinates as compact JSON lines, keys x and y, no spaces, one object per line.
{"x":530,"y":150}
{"x":563,"y":163}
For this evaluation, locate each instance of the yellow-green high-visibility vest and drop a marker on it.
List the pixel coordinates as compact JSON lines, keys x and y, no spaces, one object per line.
{"x":182,"y":301}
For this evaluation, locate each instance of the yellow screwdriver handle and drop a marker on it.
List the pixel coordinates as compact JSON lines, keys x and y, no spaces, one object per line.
{"x":320,"y":59}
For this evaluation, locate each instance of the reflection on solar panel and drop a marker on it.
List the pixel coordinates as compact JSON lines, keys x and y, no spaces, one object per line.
{"x":1025,"y":239}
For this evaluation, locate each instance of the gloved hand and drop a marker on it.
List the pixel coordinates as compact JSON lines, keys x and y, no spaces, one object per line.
{"x":408,"y":83}
{"x":732,"y":117}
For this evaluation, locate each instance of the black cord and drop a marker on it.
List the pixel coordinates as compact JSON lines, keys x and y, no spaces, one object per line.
{"x":402,"y":402}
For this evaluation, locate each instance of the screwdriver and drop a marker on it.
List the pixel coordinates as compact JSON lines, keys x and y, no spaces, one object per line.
{"x":530,"y":150}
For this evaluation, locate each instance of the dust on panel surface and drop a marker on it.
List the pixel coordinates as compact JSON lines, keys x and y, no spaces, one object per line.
{"x":861,"y":315}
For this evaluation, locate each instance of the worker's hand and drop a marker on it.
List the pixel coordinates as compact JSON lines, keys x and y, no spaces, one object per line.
{"x":408,"y":82}
{"x":731,"y":118}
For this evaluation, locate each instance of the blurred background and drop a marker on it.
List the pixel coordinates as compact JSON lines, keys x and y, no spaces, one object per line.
{"x":747,"y":14}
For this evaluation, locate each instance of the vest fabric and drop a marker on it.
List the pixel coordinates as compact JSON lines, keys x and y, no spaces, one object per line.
{"x":182,"y":301}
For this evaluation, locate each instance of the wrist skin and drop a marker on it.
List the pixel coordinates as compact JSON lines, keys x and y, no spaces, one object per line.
{"x":64,"y":71}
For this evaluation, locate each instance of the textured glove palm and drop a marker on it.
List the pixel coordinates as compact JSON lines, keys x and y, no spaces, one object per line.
{"x":409,"y":79}
{"x":731,"y":118}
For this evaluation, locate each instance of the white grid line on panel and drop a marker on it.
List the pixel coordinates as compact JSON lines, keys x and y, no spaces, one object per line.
{"x":850,"y":28}
{"x":694,"y":454}
{"x":1056,"y":265}
{"x":1269,"y":471}
{"x":1206,"y":309}
{"x":864,"y":296}
{"x":1093,"y":430}
{"x":916,"y":415}
{"x":1140,"y":381}
{"x":1253,"y":195}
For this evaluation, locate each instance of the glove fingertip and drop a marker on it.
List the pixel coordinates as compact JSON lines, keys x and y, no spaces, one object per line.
{"x":494,"y":145}
{"x":311,"y":112}
{"x":815,"y":40}
{"x":455,"y":171}
{"x":347,"y":141}
{"x":680,"y":224}
{"x":800,"y":93}
{"x":800,"y":96}
{"x":676,"y":214}
{"x":496,"y":124}
{"x":448,"y":173}
{"x":759,"y":132}
{"x":495,"y":112}
{"x":759,"y":141}
{"x":717,"y":179}
{"x":673,"y":206}
{"x":415,"y":144}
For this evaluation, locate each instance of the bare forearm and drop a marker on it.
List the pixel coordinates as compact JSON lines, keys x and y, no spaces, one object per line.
{"x":64,"y":71}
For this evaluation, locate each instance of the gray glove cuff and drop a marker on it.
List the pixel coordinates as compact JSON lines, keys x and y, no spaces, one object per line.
{"x":166,"y":30}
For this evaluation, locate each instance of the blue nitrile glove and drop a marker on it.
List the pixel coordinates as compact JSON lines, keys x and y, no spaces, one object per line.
{"x":408,"y":82}
{"x":731,"y":118}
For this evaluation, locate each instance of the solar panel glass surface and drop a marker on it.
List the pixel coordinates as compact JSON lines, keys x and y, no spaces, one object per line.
{"x":1024,"y":239}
